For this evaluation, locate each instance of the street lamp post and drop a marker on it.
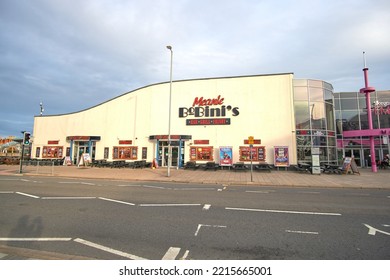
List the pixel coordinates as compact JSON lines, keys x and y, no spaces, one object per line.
{"x":169,"y":116}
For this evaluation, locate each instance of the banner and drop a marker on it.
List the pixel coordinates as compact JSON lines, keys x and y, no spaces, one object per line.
{"x":225,"y":156}
{"x":281,"y":156}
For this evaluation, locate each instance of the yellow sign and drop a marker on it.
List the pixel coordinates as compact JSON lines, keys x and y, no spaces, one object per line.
{"x":251,"y":140}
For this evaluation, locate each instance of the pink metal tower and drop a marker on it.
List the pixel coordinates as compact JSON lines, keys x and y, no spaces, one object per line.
{"x":367,"y":90}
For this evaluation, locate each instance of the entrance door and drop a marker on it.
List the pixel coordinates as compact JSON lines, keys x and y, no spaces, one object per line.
{"x":175,"y":156}
{"x":354,"y":153}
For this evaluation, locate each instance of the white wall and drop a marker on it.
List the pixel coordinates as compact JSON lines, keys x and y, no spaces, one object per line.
{"x":265,"y":111}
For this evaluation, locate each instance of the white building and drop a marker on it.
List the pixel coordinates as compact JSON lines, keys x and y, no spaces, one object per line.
{"x":206,"y":114}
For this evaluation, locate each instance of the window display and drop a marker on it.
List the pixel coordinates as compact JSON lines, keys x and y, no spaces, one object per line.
{"x":202,"y":153}
{"x":258,"y":153}
{"x":52,"y":151}
{"x":125,"y":152}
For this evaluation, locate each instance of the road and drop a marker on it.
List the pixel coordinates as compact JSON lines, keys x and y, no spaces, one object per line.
{"x":103,"y":219}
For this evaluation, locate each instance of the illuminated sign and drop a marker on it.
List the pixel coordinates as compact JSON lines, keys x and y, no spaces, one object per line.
{"x":382,"y":108}
{"x":210,"y":111}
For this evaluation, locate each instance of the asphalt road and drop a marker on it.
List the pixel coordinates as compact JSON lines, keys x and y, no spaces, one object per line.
{"x":103,"y":219}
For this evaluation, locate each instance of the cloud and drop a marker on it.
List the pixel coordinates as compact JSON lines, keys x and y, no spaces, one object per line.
{"x":75,"y":54}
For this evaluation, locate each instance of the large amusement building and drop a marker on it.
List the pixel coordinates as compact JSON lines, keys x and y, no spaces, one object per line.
{"x":211,"y":119}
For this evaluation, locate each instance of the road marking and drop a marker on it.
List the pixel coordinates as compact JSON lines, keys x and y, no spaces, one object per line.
{"x":167,"y":205}
{"x":193,"y":189}
{"x":35,"y":239}
{"x":90,"y":184}
{"x":283,"y":211}
{"x":69,"y":197}
{"x":303,"y":232}
{"x":26,"y":194}
{"x":184,"y":257}
{"x":5,"y":192}
{"x":107,"y":249}
{"x":206,"y":207}
{"x":202,"y":225}
{"x":171,"y":254}
{"x":257,"y":191}
{"x":116,"y":201}
{"x":386,"y":225}
{"x":373,"y":231}
{"x":82,"y":183}
{"x":307,"y":192}
{"x":154,"y":187}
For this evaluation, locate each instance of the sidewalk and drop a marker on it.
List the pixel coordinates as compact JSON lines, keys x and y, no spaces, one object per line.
{"x":366,"y":179}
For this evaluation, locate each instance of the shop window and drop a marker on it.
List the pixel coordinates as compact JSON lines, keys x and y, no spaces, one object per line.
{"x":125,"y":152}
{"x":37,"y":152}
{"x":202,"y":153}
{"x":106,"y":152}
{"x":52,"y":151}
{"x":144,"y":152}
{"x":258,"y":153}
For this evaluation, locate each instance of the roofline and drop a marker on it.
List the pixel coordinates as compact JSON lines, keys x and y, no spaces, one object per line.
{"x":161,"y":83}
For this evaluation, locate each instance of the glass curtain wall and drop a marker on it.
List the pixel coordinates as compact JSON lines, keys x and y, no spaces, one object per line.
{"x":314,"y":120}
{"x":351,"y":114}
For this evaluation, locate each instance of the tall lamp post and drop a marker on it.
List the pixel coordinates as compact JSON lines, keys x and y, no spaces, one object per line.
{"x":169,"y":116}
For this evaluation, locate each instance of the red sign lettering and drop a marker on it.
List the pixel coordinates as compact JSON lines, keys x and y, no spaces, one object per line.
{"x":208,"y":102}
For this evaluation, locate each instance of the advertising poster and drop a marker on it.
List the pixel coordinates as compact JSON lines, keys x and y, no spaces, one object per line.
{"x":281,"y":156}
{"x":225,"y":156}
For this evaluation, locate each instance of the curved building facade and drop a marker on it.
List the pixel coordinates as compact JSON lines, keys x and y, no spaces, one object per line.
{"x":211,"y":119}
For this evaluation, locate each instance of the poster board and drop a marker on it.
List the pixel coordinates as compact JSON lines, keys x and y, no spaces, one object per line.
{"x":349,"y":164}
{"x":85,"y":160}
{"x":225,"y":156}
{"x":281,"y":158}
{"x":67,"y":161}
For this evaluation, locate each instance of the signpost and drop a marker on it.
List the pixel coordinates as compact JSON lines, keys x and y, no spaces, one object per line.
{"x":251,"y":141}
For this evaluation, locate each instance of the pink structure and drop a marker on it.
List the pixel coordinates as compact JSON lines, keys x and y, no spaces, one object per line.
{"x":370,"y":132}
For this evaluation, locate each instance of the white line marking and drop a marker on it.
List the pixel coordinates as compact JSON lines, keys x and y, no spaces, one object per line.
{"x":6,"y":192}
{"x":185,"y":255}
{"x":68,"y":182}
{"x":171,"y":254}
{"x":107,"y":249}
{"x":306,"y":192}
{"x":206,"y":207}
{"x":167,"y":205}
{"x":69,"y":197}
{"x":283,"y":211}
{"x":386,"y":225}
{"x":361,"y":194}
{"x":194,"y":189}
{"x":90,"y":184}
{"x":116,"y":201}
{"x":26,"y":194}
{"x":219,"y":190}
{"x":130,"y":185}
{"x":202,"y":225}
{"x":35,"y":239}
{"x":155,"y":187}
{"x":257,"y":191}
{"x":373,"y":231}
{"x":303,"y":232}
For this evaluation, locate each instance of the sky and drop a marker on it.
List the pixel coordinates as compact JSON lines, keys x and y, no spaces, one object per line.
{"x":74,"y":54}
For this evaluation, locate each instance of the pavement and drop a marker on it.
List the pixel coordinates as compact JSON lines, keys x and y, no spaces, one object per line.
{"x":365,"y":179}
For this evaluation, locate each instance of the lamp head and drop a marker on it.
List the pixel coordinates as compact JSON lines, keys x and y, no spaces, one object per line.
{"x":169,"y":48}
